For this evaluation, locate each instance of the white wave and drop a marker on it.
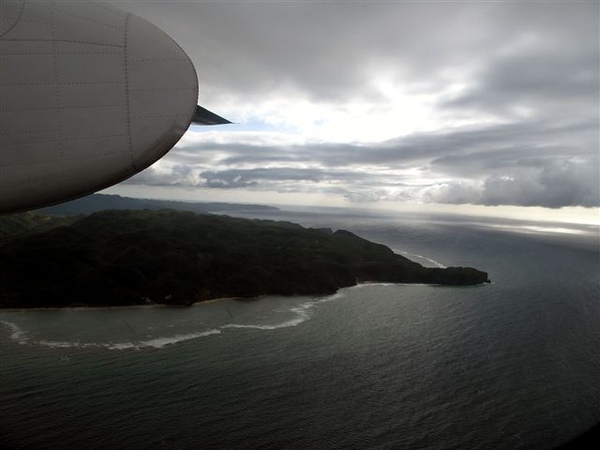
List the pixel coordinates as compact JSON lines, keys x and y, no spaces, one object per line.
{"x":433,"y":261}
{"x":301,"y":313}
{"x":121,"y":346}
{"x":16,"y":333}
{"x":329,"y":298}
{"x":159,"y":342}
{"x":373,"y":283}
{"x":67,"y":344}
{"x":425,"y":258}
{"x":163,"y":341}
{"x":290,"y":323}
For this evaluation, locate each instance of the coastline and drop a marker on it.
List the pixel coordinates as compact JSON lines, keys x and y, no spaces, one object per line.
{"x":92,"y":307}
{"x":220,"y":299}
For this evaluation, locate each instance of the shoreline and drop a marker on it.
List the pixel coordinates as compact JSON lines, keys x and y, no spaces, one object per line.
{"x":219,"y":299}
{"x":163,"y":305}
{"x":96,"y":308}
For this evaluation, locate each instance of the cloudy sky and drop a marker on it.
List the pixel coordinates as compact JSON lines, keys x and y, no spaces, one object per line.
{"x":387,"y":103}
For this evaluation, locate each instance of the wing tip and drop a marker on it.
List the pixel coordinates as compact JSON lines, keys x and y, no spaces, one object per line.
{"x":203,"y":116}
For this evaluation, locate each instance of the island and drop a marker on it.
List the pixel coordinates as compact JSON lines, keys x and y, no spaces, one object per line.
{"x":138,"y":257}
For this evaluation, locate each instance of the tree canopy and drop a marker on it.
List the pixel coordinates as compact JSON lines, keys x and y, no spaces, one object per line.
{"x":171,"y":257}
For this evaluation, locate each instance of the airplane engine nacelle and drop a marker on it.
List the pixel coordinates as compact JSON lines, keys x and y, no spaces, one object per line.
{"x":89,"y":96}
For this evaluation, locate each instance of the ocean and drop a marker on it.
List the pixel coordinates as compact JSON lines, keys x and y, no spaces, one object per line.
{"x":510,"y":365}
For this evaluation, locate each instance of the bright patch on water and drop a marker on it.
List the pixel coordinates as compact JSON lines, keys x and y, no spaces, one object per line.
{"x":539,"y":229}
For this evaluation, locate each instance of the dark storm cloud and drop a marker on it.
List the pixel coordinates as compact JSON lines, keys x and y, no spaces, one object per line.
{"x":524,"y":74}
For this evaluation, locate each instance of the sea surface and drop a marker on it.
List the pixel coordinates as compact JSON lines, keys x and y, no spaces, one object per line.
{"x":510,"y":365}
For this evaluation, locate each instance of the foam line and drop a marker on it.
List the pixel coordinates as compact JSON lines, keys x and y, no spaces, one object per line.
{"x":432,"y":261}
{"x":301,"y":314}
{"x":163,"y":341}
{"x":16,"y":333}
{"x":159,"y":342}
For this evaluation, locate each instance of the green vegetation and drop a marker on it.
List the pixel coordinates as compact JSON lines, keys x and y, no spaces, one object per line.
{"x":26,"y":223}
{"x":172,"y":257}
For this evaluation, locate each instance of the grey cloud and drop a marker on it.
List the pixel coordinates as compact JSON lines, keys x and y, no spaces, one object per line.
{"x":549,"y":182}
{"x":331,"y":50}
{"x":547,"y":86}
{"x":557,"y":184}
{"x":177,"y":175}
{"x":531,"y":66}
{"x":542,"y":55}
{"x":547,"y":62}
{"x":257,"y":48}
{"x":226,"y":180}
{"x":259,"y":177}
{"x":455,"y":192}
{"x":276,"y":178}
{"x":527,"y":164}
{"x":554,"y":186}
{"x":464,"y":151}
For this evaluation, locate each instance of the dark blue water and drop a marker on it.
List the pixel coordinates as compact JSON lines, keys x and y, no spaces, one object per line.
{"x":510,"y":365}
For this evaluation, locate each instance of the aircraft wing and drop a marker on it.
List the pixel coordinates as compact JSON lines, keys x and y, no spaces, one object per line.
{"x":204,"y":117}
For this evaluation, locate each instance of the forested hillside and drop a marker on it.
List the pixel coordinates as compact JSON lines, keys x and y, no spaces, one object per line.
{"x":173,"y":257}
